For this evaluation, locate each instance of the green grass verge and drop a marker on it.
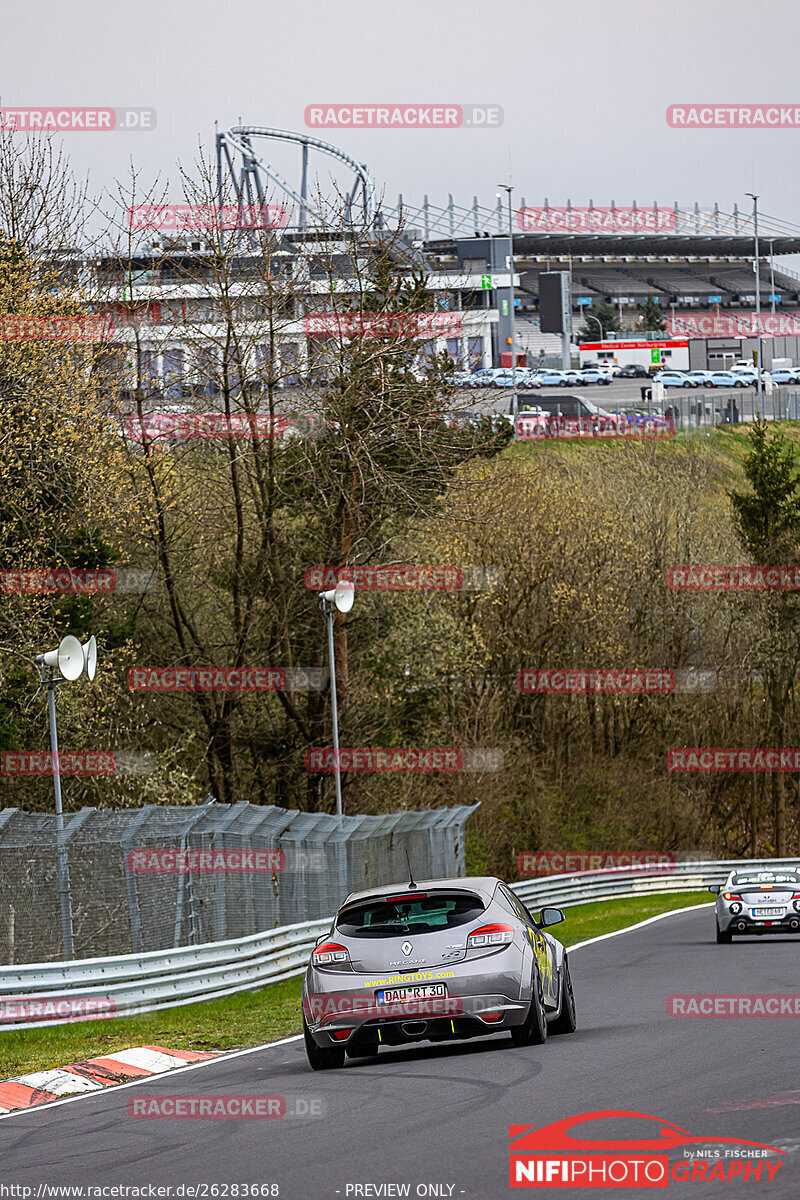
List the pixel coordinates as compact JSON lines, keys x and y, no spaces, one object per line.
{"x":255,"y":1017}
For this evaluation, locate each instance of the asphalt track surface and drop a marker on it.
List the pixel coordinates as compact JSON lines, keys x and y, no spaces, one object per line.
{"x":440,"y":1114}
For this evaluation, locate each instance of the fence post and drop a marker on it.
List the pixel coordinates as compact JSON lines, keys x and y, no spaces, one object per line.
{"x":131,"y":884}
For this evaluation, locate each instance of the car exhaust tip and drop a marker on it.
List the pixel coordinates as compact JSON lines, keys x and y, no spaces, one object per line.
{"x":741,"y":926}
{"x":795,"y":924}
{"x":414,"y":1028}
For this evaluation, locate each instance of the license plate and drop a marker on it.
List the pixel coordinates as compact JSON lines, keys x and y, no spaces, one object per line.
{"x":421,"y":991}
{"x":768,"y":912}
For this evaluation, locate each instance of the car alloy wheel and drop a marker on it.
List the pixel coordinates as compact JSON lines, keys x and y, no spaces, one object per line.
{"x":566,"y":1021}
{"x":533,"y":1031}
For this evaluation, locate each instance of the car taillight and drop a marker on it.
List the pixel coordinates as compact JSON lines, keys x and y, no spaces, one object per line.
{"x":490,"y":935}
{"x":730,"y":896}
{"x":340,"y":1035}
{"x":329,"y":952}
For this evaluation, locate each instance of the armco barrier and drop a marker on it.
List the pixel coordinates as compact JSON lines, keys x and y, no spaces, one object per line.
{"x":166,"y":978}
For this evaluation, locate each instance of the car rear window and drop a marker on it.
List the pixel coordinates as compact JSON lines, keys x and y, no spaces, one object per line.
{"x":429,"y":912}
{"x":767,"y":877}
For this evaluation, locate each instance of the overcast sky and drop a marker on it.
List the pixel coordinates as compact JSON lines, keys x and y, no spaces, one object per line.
{"x":584,"y":86}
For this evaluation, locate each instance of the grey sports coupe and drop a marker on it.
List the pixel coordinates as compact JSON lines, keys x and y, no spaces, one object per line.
{"x":435,"y":961}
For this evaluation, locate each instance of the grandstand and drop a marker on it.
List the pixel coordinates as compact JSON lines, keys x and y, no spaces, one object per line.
{"x":703,"y":259}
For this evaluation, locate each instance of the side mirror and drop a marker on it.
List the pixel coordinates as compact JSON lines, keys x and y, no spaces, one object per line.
{"x":551,"y":916}
{"x":715,"y":888}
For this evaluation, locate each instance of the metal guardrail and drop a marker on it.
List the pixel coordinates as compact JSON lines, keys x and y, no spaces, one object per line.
{"x":138,"y":983}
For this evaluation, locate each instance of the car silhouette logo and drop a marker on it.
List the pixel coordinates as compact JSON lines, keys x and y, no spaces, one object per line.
{"x":557,"y":1136}
{"x":406,"y":948}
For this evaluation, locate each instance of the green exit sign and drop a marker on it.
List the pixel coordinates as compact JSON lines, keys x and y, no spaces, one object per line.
{"x":655,"y":356}
{"x":486,"y":283}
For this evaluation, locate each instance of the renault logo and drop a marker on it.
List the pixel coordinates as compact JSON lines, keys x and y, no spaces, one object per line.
{"x":406,"y":948}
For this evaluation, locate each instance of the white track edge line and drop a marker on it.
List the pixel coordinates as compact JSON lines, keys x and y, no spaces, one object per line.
{"x":225,"y":1057}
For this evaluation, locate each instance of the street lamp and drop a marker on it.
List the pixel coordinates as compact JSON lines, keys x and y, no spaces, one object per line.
{"x":71,"y":659}
{"x":341,"y":599}
{"x":754,"y":198}
{"x":589,"y":317}
{"x":508,"y":190}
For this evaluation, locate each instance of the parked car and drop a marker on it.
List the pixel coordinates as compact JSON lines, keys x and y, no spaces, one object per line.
{"x":485,"y":377}
{"x":726,"y":379}
{"x":633,"y":371}
{"x":675,"y":379}
{"x":566,"y":416}
{"x":594,"y":375}
{"x":552,"y":378}
{"x":784,"y":375}
{"x":700,"y":376}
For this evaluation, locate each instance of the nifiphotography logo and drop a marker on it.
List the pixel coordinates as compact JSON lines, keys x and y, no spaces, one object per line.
{"x":554,"y":1157}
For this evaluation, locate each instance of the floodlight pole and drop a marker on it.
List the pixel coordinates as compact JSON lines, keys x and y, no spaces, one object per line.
{"x":754,"y":198}
{"x":512,"y":300}
{"x":64,"y":889}
{"x":328,"y":609}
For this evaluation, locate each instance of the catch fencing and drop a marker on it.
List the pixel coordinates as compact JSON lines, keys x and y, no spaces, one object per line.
{"x":129,"y":984}
{"x":157,"y":878}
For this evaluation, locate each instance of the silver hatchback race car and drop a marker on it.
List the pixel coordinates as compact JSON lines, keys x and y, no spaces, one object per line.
{"x":758,"y":900}
{"x":434,"y":961}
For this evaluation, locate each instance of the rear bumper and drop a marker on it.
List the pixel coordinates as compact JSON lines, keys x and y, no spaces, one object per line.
{"x":425,"y":1021}
{"x":743,"y":923}
{"x":478,"y":1001}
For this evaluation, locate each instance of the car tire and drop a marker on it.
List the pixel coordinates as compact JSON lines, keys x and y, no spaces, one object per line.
{"x":566,"y":1021}
{"x":533,"y":1030}
{"x":322,"y":1058}
{"x":364,"y":1047}
{"x":724,"y":938}
{"x":687,"y":384}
